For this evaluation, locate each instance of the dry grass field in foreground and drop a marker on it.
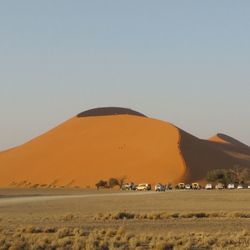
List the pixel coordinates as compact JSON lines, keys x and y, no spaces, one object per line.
{"x":89,"y":219}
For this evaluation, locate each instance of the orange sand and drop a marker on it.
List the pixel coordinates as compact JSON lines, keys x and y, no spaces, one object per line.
{"x":84,"y":150}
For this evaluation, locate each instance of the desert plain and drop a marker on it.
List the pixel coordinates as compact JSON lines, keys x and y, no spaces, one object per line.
{"x":112,"y":219}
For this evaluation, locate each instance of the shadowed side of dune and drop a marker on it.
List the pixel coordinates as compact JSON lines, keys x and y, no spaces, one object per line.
{"x":109,"y":111}
{"x":201,"y":156}
{"x":231,"y":146}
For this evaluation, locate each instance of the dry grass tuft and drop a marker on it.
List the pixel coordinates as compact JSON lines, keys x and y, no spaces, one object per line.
{"x":64,"y":232}
{"x":69,"y":217}
{"x":240,"y":215}
{"x":50,"y":230}
{"x":122,"y":216}
{"x":31,"y":230}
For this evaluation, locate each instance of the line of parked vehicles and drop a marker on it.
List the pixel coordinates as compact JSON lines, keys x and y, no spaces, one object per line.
{"x":228,"y":186}
{"x":182,"y":186}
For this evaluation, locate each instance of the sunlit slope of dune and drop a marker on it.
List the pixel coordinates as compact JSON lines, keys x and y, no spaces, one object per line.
{"x":86,"y":149}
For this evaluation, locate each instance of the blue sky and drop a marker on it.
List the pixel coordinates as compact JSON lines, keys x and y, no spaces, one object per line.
{"x":186,"y":62}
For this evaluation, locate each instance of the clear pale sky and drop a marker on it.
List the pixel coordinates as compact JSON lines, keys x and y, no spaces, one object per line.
{"x":186,"y":62}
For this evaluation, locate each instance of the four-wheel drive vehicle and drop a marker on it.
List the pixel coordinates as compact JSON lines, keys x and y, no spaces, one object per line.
{"x":180,"y":186}
{"x":219,"y":186}
{"x":143,"y":187}
{"x":195,"y":185}
{"x":209,"y":186}
{"x":159,"y":187}
{"x":128,"y":186}
{"x":230,"y":186}
{"x":187,"y":186}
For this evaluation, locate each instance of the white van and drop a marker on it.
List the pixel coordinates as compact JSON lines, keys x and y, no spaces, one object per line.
{"x":209,"y":186}
{"x":230,"y":186}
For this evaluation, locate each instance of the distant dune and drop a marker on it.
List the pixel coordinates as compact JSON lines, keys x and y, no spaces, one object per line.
{"x":116,"y":142}
{"x":203,"y":155}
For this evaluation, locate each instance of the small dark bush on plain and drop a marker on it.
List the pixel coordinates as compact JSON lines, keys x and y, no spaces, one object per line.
{"x":101,"y":184}
{"x":124,"y":215}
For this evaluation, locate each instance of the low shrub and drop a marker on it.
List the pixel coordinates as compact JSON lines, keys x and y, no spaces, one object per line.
{"x":123,"y":215}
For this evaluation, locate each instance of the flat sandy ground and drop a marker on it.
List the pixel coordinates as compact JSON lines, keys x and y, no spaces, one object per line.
{"x":88,"y":208}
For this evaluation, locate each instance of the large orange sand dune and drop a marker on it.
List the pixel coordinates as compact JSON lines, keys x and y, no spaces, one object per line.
{"x":112,"y":142}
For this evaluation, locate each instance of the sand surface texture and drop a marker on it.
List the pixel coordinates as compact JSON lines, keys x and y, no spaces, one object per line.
{"x":103,"y":143}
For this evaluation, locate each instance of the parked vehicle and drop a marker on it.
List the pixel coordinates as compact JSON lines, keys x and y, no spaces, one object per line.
{"x":231,"y":186}
{"x":160,"y":188}
{"x":128,"y":186}
{"x":187,"y":186}
{"x":220,"y":186}
{"x":169,"y":186}
{"x":143,"y":187}
{"x":240,"y":186}
{"x":180,"y":186}
{"x":209,"y":186}
{"x":248,"y":186}
{"x":195,"y":185}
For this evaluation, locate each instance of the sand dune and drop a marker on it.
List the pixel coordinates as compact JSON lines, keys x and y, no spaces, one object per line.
{"x":203,"y":155}
{"x":103,"y":143}
{"x":229,"y":140}
{"x":84,"y":150}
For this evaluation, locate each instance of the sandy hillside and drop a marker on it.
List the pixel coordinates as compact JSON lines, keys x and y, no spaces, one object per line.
{"x":203,"y":155}
{"x":114,"y":142}
{"x":86,"y":149}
